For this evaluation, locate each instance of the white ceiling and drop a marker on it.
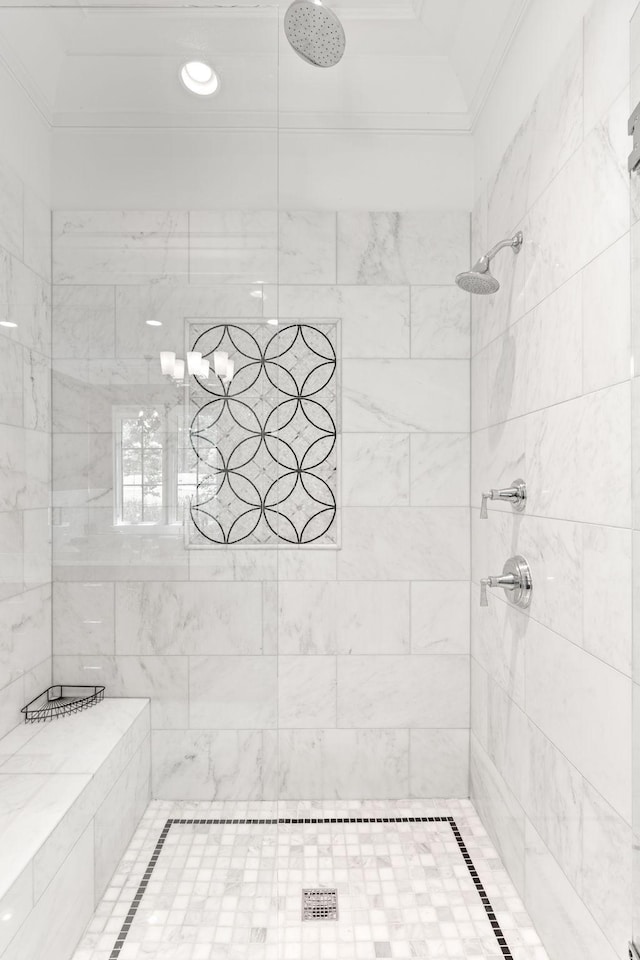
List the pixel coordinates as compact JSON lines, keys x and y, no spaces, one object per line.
{"x":410,"y":64}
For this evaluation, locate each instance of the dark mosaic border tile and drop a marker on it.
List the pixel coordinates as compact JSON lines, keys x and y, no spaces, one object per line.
{"x":484,"y":899}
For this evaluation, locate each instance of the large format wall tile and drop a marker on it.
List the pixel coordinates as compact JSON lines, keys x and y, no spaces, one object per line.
{"x":239,"y":648}
{"x":233,"y":246}
{"x":375,"y":321}
{"x":195,"y":618}
{"x":403,"y":691}
{"x":119,"y":246}
{"x":214,"y":765}
{"x":307,"y":248}
{"x":389,"y":544}
{"x":416,"y":248}
{"x":405,"y":395}
{"x":233,"y":693}
{"x":343,"y":764}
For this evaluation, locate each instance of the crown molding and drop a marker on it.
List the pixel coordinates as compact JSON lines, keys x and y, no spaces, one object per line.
{"x":16,"y":70}
{"x":498,"y":56}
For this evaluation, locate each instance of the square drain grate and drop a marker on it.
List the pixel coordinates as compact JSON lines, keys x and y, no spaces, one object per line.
{"x":319,"y":904}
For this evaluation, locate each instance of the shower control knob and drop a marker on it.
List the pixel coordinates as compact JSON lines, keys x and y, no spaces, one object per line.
{"x":516,"y":495}
{"x":515,"y":580}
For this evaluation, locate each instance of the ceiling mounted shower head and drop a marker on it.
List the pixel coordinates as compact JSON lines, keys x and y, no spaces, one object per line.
{"x":315,"y":33}
{"x":480,"y":279}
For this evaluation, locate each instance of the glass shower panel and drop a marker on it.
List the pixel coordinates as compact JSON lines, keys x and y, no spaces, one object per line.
{"x":165,"y":227}
{"x":635,"y":447}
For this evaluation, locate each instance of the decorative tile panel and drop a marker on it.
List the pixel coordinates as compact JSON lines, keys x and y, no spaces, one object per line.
{"x":263,"y":448}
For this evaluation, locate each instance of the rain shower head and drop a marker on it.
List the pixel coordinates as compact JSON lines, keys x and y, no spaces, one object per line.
{"x":315,"y":33}
{"x":480,"y":279}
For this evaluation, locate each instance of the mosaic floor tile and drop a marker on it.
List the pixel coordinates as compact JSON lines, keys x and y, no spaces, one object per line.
{"x":193,"y":890}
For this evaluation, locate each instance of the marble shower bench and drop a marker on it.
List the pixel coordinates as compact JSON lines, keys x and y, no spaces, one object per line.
{"x":71,"y":794}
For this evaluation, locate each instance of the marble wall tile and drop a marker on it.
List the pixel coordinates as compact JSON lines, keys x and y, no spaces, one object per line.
{"x":306,"y":692}
{"x":354,"y":617}
{"x":605,"y":881}
{"x":375,"y":322}
{"x":11,"y":390}
{"x":118,"y":816}
{"x":501,"y":814}
{"x":11,"y":554}
{"x":83,"y":618}
{"x":25,"y":629}
{"x":233,"y":693}
{"x":164,"y":680}
{"x":307,"y":247}
{"x":31,"y":805}
{"x":554,"y":550}
{"x":405,"y":395}
{"x":606,"y":324}
{"x":578,"y":458}
{"x":440,"y":322}
{"x":233,"y":564}
{"x":83,"y":470}
{"x":373,"y":618}
{"x":523,"y":370}
{"x":343,"y":764}
{"x":564,"y":923}
{"x":307,"y":564}
{"x":558,"y":118}
{"x":60,"y":915}
{"x":440,"y":464}
{"x":15,"y":906}
{"x":479,"y":712}
{"x":385,"y":691}
{"x":25,"y":300}
{"x":375,"y":469}
{"x":172,"y":302}
{"x":307,"y":618}
{"x":11,"y":205}
{"x":416,"y":248}
{"x":583,"y":210}
{"x":498,"y":640}
{"x":507,"y":740}
{"x":607,"y":630}
{"x":214,"y":765}
{"x":84,"y":321}
{"x":88,"y":546}
{"x":194,"y":618}
{"x":36,"y":527}
{"x":37,"y":234}
{"x":440,"y":617}
{"x":389,"y":544}
{"x":233,"y":246}
{"x":606,"y":57}
{"x":439,"y":763}
{"x":568,"y":692}
{"x":554,"y":802}
{"x":36,"y":384}
{"x":120,"y":247}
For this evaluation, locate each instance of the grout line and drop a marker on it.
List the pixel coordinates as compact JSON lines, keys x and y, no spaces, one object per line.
{"x":276,"y":821}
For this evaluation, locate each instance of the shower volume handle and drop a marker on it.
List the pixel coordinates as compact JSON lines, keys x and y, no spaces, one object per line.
{"x":516,"y":495}
{"x":515,"y":580}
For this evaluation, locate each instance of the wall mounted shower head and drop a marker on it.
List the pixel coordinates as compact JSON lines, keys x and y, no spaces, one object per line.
{"x":315,"y":33}
{"x":480,"y":279}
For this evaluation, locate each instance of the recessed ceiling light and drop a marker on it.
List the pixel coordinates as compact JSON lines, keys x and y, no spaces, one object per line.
{"x":153,"y":323}
{"x":200,"y":78}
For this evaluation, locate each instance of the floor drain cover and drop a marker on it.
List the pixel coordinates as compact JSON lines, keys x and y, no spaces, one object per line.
{"x":319,"y":904}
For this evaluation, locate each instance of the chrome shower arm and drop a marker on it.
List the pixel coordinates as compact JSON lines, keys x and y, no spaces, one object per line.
{"x":515,"y":242}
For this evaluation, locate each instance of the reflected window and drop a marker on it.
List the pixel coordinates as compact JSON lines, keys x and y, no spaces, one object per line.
{"x":152,"y":481}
